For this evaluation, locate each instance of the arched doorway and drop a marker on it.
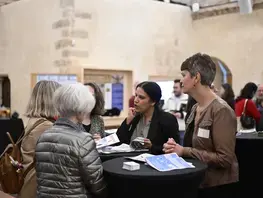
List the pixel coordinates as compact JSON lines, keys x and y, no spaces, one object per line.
{"x":5,"y":91}
{"x":223,"y":73}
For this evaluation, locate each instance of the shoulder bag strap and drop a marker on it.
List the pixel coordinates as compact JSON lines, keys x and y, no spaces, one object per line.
{"x":30,"y":129}
{"x":244,"y":108}
{"x":31,"y":166}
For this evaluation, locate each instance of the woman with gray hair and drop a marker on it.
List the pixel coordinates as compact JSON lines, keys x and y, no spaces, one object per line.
{"x":41,"y":114}
{"x":67,"y":161}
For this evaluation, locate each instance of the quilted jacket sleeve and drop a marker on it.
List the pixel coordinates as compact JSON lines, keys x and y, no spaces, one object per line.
{"x":91,"y":168}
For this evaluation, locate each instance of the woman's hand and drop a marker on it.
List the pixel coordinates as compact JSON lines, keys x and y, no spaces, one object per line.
{"x":131,"y":115}
{"x":96,"y":137}
{"x":147,"y":143}
{"x":172,"y":147}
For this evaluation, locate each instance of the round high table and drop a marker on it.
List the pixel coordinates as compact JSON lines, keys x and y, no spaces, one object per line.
{"x":249,"y":148}
{"x":148,"y":182}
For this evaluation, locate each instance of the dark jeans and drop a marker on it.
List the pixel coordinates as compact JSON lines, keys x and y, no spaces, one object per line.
{"x":224,"y":191}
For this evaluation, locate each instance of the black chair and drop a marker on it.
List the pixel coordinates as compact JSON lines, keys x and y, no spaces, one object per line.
{"x":14,"y":126}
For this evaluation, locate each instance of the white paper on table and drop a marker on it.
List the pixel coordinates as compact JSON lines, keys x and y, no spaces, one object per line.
{"x":107,"y":141}
{"x":140,"y":158}
{"x":122,"y":148}
{"x":111,"y":131}
{"x":116,"y":149}
{"x":168,"y":162}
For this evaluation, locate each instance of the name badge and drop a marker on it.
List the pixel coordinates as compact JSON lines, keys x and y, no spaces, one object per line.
{"x":204,"y":133}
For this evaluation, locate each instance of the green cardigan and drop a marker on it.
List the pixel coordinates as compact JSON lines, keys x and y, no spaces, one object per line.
{"x":97,"y":125}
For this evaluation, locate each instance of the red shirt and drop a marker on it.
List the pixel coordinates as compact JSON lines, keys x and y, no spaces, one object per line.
{"x":251,"y":109}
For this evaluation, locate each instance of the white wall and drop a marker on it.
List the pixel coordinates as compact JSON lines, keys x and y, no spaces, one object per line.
{"x":27,"y":45}
{"x":145,"y":37}
{"x":237,"y":40}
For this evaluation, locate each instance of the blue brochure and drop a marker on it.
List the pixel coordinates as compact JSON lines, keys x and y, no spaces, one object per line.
{"x":168,"y":162}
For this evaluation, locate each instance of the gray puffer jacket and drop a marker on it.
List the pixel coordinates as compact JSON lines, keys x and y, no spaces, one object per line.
{"x":68,"y":164}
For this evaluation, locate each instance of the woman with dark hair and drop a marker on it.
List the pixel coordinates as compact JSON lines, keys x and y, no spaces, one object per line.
{"x":93,"y":122}
{"x":227,"y":94}
{"x":147,"y":120}
{"x":245,"y":101}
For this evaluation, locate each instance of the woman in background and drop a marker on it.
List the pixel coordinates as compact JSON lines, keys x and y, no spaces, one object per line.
{"x":247,"y":93}
{"x":41,"y":114}
{"x":227,"y":94}
{"x":147,"y":120}
{"x":93,"y":122}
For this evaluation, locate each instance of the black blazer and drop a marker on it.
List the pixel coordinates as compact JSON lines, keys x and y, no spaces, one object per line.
{"x":163,"y":126}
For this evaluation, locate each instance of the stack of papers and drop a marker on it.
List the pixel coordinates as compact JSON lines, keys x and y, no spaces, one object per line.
{"x":140,"y":158}
{"x":119,"y":149}
{"x":131,"y":166}
{"x":107,"y":141}
{"x":168,"y":162}
{"x":116,"y":149}
{"x":111,"y":131}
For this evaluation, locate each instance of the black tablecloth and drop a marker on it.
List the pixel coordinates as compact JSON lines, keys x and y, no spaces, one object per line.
{"x":148,"y":182}
{"x":249,"y":148}
{"x":249,"y":136}
{"x":106,"y":157}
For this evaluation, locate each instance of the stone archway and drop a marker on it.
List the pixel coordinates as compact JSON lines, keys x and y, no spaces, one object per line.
{"x":223,"y":73}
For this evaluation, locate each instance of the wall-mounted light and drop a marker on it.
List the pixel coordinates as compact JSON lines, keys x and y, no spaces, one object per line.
{"x":195,"y":7}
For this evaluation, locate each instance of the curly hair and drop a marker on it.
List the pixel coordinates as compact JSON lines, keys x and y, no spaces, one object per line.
{"x":100,"y":102}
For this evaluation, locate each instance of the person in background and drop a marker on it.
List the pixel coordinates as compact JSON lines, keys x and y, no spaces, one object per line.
{"x":214,"y":134}
{"x":67,"y":161}
{"x":131,"y":100}
{"x":259,"y":98}
{"x":259,"y":105}
{"x":175,"y":102}
{"x":93,"y":122}
{"x":247,"y":93}
{"x":41,"y":112}
{"x":147,"y":120}
{"x":227,"y":94}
